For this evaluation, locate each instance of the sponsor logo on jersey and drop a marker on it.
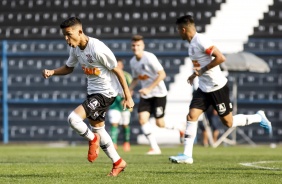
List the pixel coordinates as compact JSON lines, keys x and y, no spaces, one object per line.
{"x":91,"y":71}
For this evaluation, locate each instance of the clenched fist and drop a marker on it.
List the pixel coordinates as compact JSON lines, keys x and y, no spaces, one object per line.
{"x":47,"y":73}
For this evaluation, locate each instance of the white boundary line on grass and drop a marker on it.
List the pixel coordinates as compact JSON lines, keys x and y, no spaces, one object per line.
{"x":256,"y":165}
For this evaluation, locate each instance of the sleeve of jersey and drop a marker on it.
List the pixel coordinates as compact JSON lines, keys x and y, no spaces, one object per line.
{"x":206,"y":45}
{"x":209,"y":50}
{"x":155,"y":63}
{"x":72,"y":60}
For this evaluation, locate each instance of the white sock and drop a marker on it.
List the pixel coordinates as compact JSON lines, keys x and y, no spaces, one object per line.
{"x":243,"y":120}
{"x":79,"y":126}
{"x":147,"y":130}
{"x":106,"y":143}
{"x":190,"y":135}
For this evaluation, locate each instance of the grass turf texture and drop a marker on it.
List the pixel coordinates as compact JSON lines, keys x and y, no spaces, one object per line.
{"x":42,"y":164}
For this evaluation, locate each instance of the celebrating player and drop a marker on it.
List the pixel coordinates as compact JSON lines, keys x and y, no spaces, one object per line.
{"x":105,"y":81}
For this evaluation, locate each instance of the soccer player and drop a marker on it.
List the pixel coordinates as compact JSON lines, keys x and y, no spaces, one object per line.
{"x":105,"y":81}
{"x":213,"y":88}
{"x":147,"y":69}
{"x":118,"y":116}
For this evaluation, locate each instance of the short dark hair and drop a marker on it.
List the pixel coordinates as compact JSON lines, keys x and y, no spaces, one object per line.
{"x":70,"y":22}
{"x":120,"y":60}
{"x":137,"y":38}
{"x":186,"y":19}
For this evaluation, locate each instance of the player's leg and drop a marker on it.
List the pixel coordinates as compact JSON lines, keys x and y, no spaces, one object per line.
{"x":114,"y":118}
{"x":189,"y":138}
{"x":107,"y":146}
{"x":191,"y":130}
{"x":125,"y":123}
{"x":198,"y":105}
{"x":144,"y":110}
{"x":75,"y":120}
{"x":147,"y":129}
{"x":159,"y":105}
{"x":99,"y":106}
{"x":222,"y":105}
{"x":243,"y":120}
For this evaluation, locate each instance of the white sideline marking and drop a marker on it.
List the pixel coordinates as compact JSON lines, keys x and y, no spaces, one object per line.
{"x":255,"y":165}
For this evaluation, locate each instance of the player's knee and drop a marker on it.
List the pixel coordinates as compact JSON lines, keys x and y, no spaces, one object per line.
{"x":74,"y":119}
{"x":190,"y":118}
{"x":142,"y":121}
{"x":227,"y":123}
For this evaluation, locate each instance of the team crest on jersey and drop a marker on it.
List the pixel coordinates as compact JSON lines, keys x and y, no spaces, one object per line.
{"x":221,"y":108}
{"x":89,"y":58}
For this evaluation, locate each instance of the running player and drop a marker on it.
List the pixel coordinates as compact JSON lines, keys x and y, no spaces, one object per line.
{"x":213,"y":88}
{"x":147,"y":69}
{"x":105,"y":81}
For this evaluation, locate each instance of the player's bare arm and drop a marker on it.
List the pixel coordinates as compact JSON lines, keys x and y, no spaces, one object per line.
{"x":128,"y":101}
{"x":63,"y":70}
{"x":218,"y":59}
{"x":133,"y":84}
{"x":161,"y":76}
{"x":191,"y":79}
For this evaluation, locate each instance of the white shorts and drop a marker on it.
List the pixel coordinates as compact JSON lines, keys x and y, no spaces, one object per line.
{"x":115,"y":116}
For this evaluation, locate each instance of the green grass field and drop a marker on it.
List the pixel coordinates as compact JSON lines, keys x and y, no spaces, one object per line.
{"x":43,"y":164}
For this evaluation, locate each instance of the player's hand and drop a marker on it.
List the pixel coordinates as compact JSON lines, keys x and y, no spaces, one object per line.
{"x":47,"y":73}
{"x":129,"y":104}
{"x":197,"y":71}
{"x":200,"y":71}
{"x":144,"y":91}
{"x":191,"y":78}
